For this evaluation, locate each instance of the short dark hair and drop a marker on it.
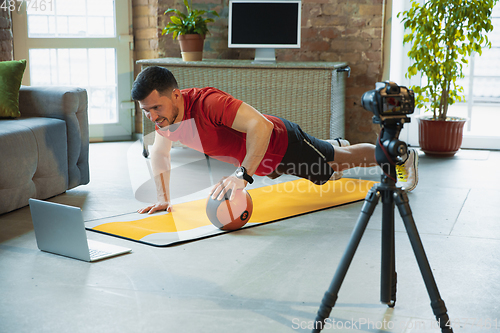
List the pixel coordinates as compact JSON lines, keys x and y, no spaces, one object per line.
{"x":153,"y":78}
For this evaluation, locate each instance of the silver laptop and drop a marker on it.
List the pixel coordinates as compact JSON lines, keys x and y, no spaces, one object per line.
{"x":60,"y":229}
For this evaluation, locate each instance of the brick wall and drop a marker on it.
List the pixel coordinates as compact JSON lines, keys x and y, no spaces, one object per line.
{"x":350,"y":31}
{"x":5,"y":36}
{"x":145,"y":23}
{"x":332,"y":30}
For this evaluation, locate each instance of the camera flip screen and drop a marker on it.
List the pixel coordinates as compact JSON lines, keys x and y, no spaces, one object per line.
{"x":391,"y":104}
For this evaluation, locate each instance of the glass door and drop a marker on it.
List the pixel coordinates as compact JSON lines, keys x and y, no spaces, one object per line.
{"x":82,"y":43}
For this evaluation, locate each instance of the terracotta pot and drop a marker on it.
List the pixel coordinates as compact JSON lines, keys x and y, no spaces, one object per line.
{"x":191,"y":47}
{"x":440,"y":138}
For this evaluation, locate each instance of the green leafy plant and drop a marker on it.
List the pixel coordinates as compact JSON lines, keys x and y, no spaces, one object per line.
{"x":443,"y":34}
{"x":190,"y":23}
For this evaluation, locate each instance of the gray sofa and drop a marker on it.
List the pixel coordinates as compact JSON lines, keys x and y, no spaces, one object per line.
{"x":44,"y":152}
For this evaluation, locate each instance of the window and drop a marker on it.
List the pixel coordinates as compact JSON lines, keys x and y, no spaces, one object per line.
{"x":86,"y":44}
{"x":481,"y":87}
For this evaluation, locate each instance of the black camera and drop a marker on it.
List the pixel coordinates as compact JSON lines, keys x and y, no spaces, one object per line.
{"x":388,"y":100}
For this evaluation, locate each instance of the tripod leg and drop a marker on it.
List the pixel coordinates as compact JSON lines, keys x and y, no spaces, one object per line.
{"x":330,"y":297}
{"x":437,"y":304}
{"x":388,"y":262}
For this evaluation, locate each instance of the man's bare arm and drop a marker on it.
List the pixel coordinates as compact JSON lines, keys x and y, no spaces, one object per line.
{"x":258,"y":131}
{"x":160,"y":163}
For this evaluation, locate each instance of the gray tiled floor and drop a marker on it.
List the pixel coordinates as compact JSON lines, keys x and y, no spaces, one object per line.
{"x":266,"y":279}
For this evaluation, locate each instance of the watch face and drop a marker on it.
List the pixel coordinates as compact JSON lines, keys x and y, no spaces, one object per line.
{"x":239,"y":172}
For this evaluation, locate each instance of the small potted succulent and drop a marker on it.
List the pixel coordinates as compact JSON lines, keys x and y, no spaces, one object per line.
{"x":443,"y":34}
{"x":190,"y":29}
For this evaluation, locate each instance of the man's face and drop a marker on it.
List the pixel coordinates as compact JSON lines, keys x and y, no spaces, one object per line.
{"x":163,"y":110}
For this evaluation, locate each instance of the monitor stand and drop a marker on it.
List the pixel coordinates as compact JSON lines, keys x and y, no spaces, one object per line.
{"x":264,"y":56}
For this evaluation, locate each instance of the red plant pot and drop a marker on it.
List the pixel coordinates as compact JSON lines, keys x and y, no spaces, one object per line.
{"x":440,"y":138}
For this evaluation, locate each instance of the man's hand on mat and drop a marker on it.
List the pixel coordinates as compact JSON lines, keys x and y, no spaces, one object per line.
{"x":225,"y":184}
{"x":157,"y":207}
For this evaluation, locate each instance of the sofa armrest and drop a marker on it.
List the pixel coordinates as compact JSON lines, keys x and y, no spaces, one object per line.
{"x":69,"y":104}
{"x":51,"y":101}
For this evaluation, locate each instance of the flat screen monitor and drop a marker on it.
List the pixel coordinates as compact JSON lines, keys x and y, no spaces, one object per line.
{"x":265,"y":26}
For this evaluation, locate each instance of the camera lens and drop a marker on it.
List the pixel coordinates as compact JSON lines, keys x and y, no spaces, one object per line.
{"x":369,"y":102}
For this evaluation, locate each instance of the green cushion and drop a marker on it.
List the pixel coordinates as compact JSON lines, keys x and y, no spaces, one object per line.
{"x":11,"y":75}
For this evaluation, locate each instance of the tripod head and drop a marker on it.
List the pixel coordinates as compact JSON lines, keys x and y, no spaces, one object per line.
{"x":389,"y":148}
{"x":390,"y":104}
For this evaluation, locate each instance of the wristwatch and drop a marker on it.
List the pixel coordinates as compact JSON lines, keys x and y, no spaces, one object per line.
{"x":241,"y":173}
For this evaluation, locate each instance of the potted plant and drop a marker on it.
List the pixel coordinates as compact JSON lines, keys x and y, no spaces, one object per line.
{"x":443,"y":34}
{"x":190,"y":29}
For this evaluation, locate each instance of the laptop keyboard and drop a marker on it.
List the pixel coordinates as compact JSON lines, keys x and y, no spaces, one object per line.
{"x":97,"y":253}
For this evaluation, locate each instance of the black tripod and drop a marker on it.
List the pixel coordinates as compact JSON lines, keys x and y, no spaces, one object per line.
{"x":388,"y":150}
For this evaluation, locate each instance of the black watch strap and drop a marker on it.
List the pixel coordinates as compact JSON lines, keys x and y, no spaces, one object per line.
{"x":241,"y":173}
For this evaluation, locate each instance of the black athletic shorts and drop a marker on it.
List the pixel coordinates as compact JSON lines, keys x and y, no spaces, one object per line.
{"x":306,"y":156}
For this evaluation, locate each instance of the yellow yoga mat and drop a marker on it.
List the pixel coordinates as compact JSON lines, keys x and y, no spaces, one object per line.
{"x":188,"y":221}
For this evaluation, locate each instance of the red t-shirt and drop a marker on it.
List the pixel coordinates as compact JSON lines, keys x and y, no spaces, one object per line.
{"x":206,"y":127}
